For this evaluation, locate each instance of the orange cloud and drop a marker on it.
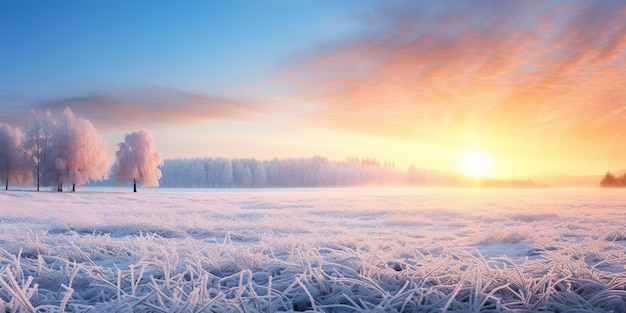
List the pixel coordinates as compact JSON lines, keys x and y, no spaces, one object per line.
{"x":510,"y":74}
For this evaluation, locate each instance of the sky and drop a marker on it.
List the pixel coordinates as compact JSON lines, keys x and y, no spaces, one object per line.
{"x":534,"y":86}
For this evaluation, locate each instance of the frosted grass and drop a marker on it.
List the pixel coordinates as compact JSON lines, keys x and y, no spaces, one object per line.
{"x":324,"y":250}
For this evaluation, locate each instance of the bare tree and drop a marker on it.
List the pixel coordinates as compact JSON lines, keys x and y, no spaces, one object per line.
{"x":137,"y":159}
{"x":36,"y":143}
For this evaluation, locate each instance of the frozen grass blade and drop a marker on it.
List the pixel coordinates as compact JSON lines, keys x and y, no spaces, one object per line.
{"x":20,"y":294}
{"x":83,"y":254}
{"x":307,"y":292}
{"x":334,"y":252}
{"x":119,"y":286}
{"x":66,"y":297}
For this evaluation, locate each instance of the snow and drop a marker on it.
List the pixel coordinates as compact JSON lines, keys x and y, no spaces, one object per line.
{"x":327,"y":250}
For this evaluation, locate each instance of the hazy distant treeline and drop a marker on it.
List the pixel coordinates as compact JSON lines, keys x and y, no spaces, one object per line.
{"x":613,"y":180}
{"x":252,"y":173}
{"x":307,"y":172}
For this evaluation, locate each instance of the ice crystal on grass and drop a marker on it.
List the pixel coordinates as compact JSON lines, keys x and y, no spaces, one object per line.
{"x":103,"y":252}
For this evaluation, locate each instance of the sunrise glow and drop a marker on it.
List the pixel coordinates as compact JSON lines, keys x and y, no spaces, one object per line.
{"x":476,"y":163}
{"x":539,"y":84}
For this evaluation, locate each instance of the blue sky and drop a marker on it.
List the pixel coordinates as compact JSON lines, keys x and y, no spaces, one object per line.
{"x":56,"y":47}
{"x":535,"y":85}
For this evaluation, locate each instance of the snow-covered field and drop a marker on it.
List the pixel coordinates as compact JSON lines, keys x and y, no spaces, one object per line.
{"x":325,"y":250}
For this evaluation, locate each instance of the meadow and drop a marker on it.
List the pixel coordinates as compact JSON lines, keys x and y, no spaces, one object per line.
{"x":318,"y":250}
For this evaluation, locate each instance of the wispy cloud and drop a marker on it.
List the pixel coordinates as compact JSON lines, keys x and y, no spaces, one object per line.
{"x":149,"y":106}
{"x":509,"y":73}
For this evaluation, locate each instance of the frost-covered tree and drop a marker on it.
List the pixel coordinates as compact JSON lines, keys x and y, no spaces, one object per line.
{"x":304,"y":172}
{"x":37,"y":142}
{"x":197,"y":173}
{"x":13,"y":168}
{"x":137,"y":159}
{"x":79,"y":151}
{"x":237,"y":173}
{"x":246,"y":178}
{"x":259,"y":175}
{"x":226,"y":177}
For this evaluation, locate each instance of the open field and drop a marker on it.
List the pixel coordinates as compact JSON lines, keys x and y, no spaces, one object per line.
{"x":325,"y":250}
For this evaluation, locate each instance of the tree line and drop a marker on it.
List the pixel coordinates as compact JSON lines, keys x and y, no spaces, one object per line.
{"x":69,"y":150}
{"x":293,"y":172}
{"x":611,"y":180}
{"x":309,"y":172}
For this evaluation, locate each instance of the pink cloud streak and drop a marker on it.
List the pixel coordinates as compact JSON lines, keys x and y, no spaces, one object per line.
{"x":154,"y":106}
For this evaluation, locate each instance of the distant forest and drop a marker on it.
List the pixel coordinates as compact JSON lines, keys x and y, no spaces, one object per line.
{"x":308,"y":172}
{"x":612,"y":180}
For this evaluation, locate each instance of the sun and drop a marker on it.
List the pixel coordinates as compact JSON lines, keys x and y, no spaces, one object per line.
{"x":476,"y":163}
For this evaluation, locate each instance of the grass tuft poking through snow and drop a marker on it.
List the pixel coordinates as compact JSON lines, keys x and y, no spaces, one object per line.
{"x":343,"y":250}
